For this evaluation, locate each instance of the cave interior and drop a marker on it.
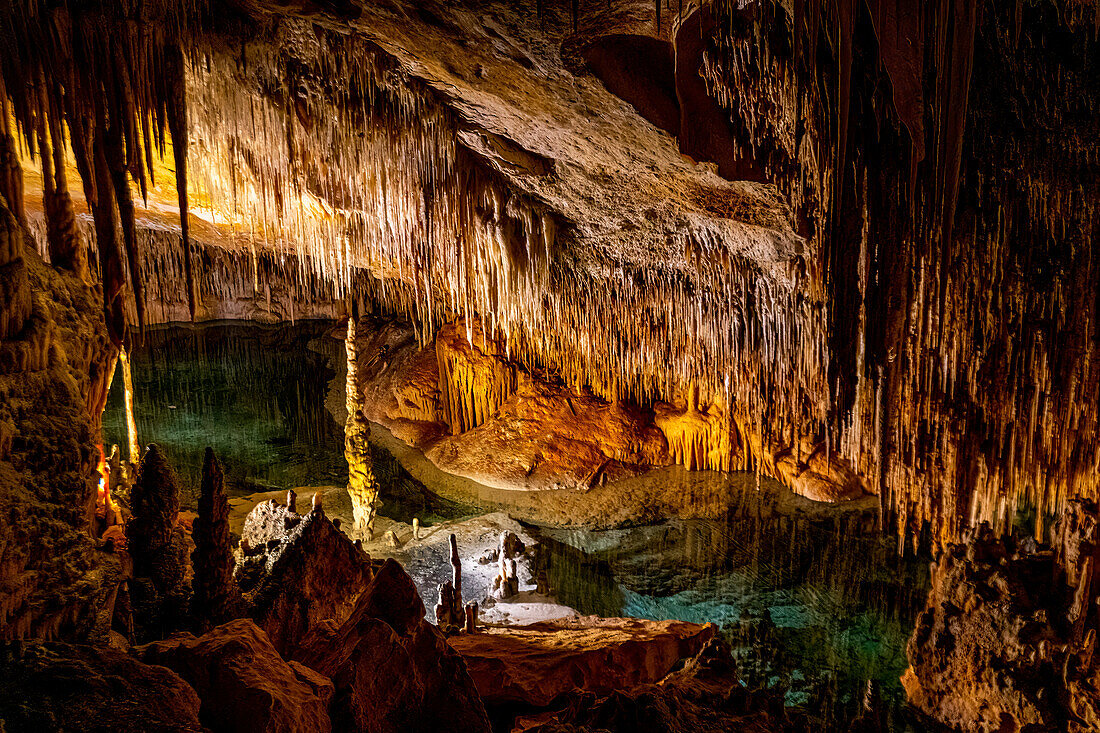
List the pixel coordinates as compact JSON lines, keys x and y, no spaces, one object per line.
{"x":534,"y":366}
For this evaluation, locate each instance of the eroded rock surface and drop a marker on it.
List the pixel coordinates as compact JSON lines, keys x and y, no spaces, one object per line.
{"x":536,"y":664}
{"x":1008,"y":639}
{"x":704,"y":695}
{"x":243,"y":683}
{"x":326,"y":607}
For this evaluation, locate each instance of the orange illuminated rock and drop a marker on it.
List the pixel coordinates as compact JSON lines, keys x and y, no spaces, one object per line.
{"x":243,"y":683}
{"x":536,"y":664}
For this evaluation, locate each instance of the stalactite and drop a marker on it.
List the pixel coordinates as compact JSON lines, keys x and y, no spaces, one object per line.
{"x":177,"y":126}
{"x":107,"y":74}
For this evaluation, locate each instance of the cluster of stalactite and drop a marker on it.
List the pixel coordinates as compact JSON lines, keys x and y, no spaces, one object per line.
{"x":956,"y":251}
{"x":398,"y":195}
{"x":104,"y":81}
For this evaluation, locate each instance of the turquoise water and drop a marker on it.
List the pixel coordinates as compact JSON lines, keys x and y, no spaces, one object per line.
{"x":255,"y":395}
{"x":814,"y":606}
{"x":813,"y":603}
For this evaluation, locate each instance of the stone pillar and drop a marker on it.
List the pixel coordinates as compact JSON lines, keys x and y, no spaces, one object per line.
{"x":361,"y":484}
{"x":214,"y":591}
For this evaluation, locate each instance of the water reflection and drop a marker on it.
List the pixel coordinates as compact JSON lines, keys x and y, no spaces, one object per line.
{"x":255,"y":395}
{"x":815,"y":603}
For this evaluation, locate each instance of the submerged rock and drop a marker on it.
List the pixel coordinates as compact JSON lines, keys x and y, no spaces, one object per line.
{"x":244,"y":685}
{"x":67,"y":687}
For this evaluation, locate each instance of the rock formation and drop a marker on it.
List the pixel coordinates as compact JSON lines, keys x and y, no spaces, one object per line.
{"x":705,"y":694}
{"x":506,"y":583}
{"x":317,"y":597}
{"x":55,"y":688}
{"x":54,"y":370}
{"x":450,"y":614}
{"x":160,"y":547}
{"x":537,"y":664}
{"x":215,"y":596}
{"x":243,"y":683}
{"x":361,"y":483}
{"x":1008,"y":638}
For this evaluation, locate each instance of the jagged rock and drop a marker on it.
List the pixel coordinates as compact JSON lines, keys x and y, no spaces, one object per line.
{"x":298,"y":571}
{"x":243,"y":683}
{"x":59,"y":687}
{"x":535,"y":664}
{"x":160,"y":546}
{"x":216,"y":597}
{"x":1001,"y":647}
{"x":315,"y":593}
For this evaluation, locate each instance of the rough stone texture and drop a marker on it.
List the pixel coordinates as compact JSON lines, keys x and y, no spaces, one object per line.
{"x":298,"y":571}
{"x":216,"y":598}
{"x":243,"y":683}
{"x":1007,"y":641}
{"x":159,"y":542}
{"x":58,"y":688}
{"x":54,"y":582}
{"x":323,"y":606}
{"x":536,"y":664}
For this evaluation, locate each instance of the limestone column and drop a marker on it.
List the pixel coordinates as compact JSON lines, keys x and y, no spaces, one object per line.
{"x":361,"y":484}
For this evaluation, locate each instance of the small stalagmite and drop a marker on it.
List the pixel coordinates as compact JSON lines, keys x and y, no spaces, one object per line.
{"x":506,"y":583}
{"x":215,"y":595}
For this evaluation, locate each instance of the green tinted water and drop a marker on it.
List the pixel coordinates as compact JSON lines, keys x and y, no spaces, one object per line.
{"x":815,"y":603}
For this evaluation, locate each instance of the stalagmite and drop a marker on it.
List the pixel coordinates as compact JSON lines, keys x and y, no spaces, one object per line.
{"x":361,"y":482}
{"x":157,"y":544}
{"x":470,"y":625}
{"x":214,"y":591}
{"x":292,"y":501}
{"x":133,"y":449}
{"x":449,"y":612}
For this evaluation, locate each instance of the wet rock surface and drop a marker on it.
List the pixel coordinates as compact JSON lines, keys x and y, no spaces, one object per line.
{"x":1007,"y":641}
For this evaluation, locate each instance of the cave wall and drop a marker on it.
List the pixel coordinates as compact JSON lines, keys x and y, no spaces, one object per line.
{"x":911,"y":221}
{"x":55,"y":579}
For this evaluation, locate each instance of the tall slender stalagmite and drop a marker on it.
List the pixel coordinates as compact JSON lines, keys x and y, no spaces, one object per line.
{"x":213,"y":601}
{"x":361,"y":483}
{"x":132,"y":447}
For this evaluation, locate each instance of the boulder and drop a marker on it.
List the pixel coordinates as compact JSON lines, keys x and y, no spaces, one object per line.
{"x":1007,"y":640}
{"x":538,"y":663}
{"x":50,"y":686}
{"x":243,"y":683}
